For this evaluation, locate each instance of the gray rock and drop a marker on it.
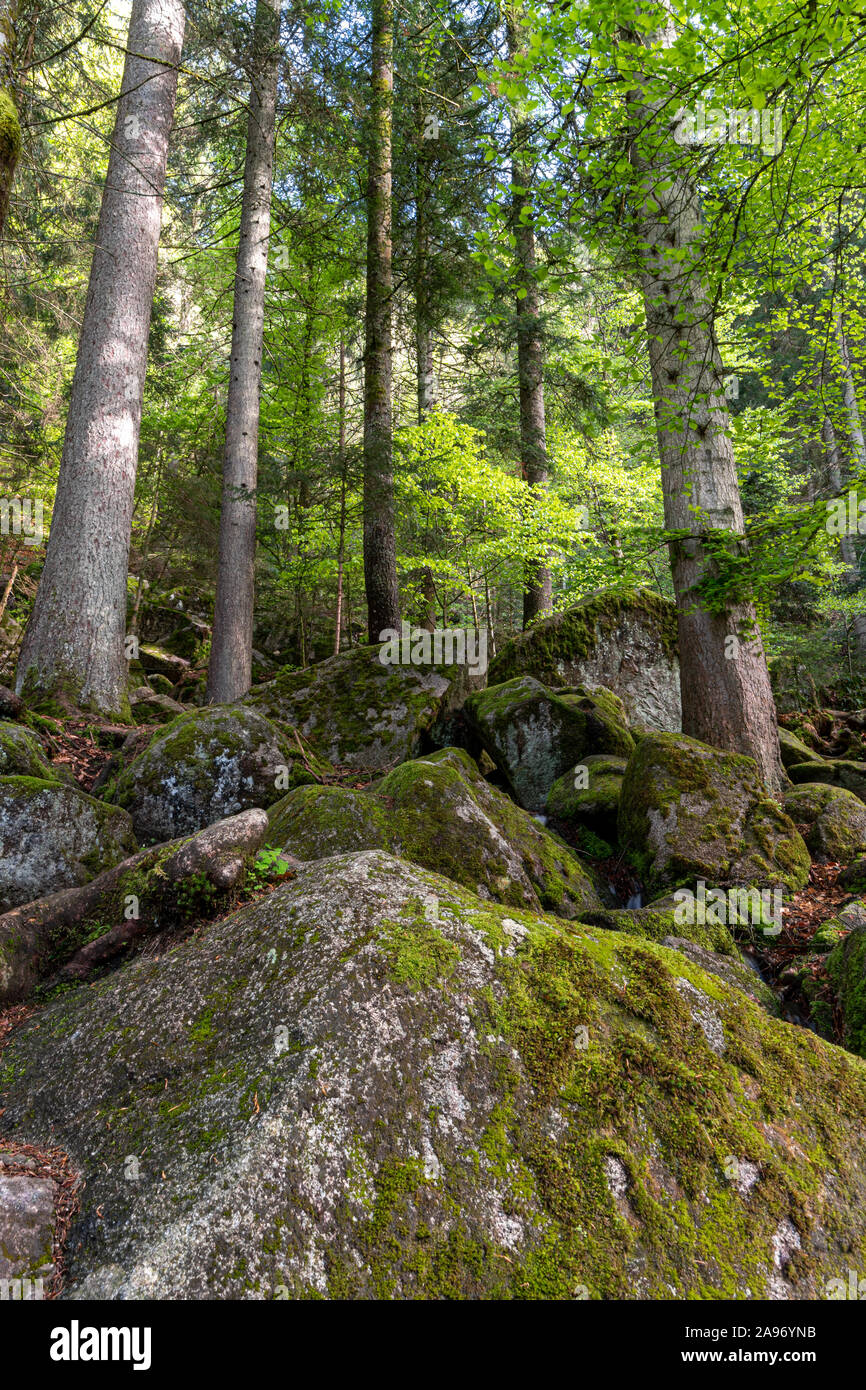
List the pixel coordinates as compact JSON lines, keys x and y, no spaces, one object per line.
{"x":833,"y":819}
{"x":334,"y":1093}
{"x":204,"y":766}
{"x":689,"y":812}
{"x":26,"y":1227}
{"x":356,"y":711}
{"x":624,"y":640}
{"x":53,"y":836}
{"x":534,"y":735}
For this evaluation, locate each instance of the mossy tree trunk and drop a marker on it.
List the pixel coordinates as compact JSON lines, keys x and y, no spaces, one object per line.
{"x":726,"y":696}
{"x":537,"y":592}
{"x":10,"y":125}
{"x":380,"y":542}
{"x":230,"y":667}
{"x":74,"y":647}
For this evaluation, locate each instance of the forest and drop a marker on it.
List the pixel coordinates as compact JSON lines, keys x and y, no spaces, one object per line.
{"x":432,"y":651}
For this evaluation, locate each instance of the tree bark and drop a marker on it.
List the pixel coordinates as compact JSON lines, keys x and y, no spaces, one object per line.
{"x":835,"y":472}
{"x":10,"y":125}
{"x":537,"y":589}
{"x":341,"y":550}
{"x":230,"y":668}
{"x":73,"y":648}
{"x":423,"y":308}
{"x":380,"y":542}
{"x":726,"y":694}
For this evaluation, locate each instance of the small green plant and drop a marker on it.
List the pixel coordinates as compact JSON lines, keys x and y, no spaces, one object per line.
{"x":268,"y":864}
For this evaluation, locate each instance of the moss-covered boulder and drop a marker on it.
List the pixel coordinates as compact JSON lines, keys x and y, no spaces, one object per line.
{"x":846,"y":968}
{"x":624,"y":640}
{"x":586,"y":800}
{"x":334,"y":1094}
{"x":440,"y":813}
{"x":204,"y":766}
{"x":689,"y":812}
{"x":356,"y":711}
{"x":836,"y":772}
{"x":794,"y":750}
{"x":853,"y":876}
{"x":534,"y":735}
{"x":831,"y":819}
{"x":53,"y":835}
{"x":21,"y":754}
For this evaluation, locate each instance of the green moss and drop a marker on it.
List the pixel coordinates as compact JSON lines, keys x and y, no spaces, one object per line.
{"x":419,"y":956}
{"x":438,"y":812}
{"x":10,"y":134}
{"x":846,"y":968}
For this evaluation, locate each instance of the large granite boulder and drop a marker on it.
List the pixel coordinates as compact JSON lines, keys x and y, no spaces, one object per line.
{"x":52,"y":836}
{"x":204,"y":766}
{"x":689,"y":812}
{"x":357,"y":711}
{"x":534,"y":735}
{"x":334,"y":1093}
{"x":440,"y":813}
{"x":624,"y":640}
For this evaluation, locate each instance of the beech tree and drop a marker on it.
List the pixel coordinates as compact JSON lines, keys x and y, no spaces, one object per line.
{"x":73,"y":648}
{"x":230,"y":668}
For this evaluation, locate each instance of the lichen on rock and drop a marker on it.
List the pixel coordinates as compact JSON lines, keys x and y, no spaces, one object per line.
{"x":53,"y":835}
{"x":334,"y":1094}
{"x":204,"y":766}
